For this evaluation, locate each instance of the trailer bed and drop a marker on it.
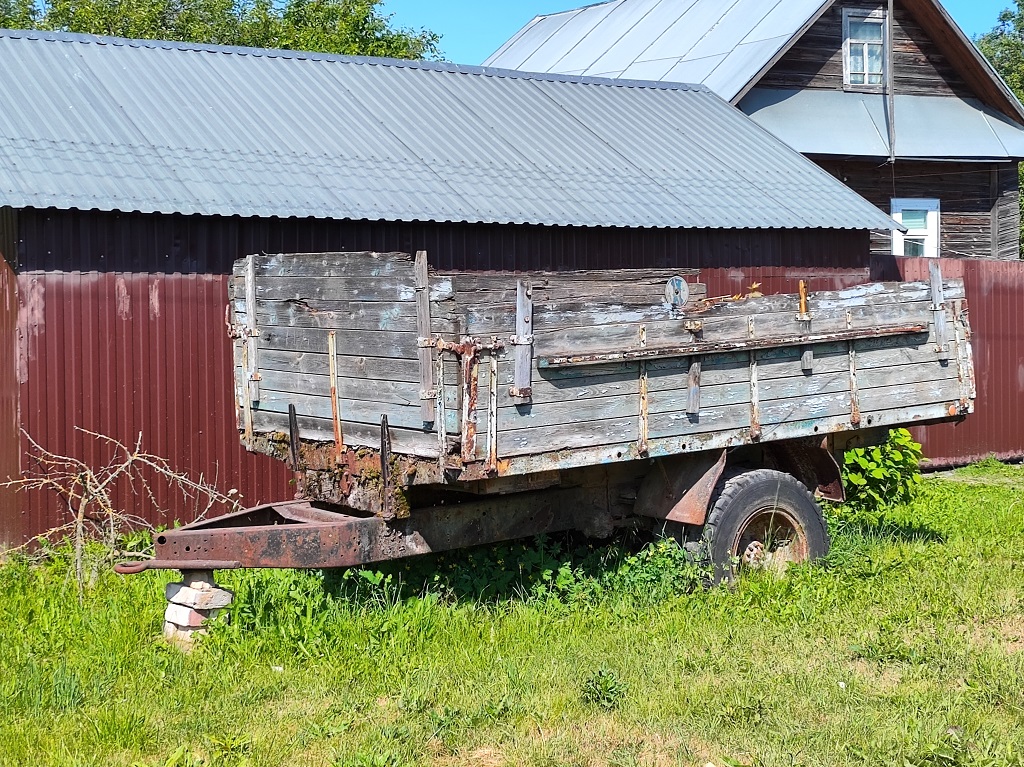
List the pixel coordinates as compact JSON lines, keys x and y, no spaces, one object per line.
{"x":375,"y":374}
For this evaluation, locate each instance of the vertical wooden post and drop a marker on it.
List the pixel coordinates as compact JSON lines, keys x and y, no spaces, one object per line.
{"x":693,"y":383}
{"x":854,"y":386}
{"x":522,"y":344}
{"x":807,"y":352}
{"x":939,"y":310}
{"x":755,"y":389}
{"x":492,"y":416}
{"x":645,"y":424}
{"x":252,"y":332}
{"x":428,"y":395}
{"x":442,"y":417}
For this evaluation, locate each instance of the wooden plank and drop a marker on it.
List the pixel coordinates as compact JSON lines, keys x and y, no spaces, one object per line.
{"x":555,"y":438}
{"x":404,"y":393}
{"x":355,"y":411}
{"x":351,"y":343}
{"x":939,"y":311}
{"x":317,"y":265}
{"x":350,"y":315}
{"x":369,"y":368}
{"x":613,"y":353}
{"x":404,"y":441}
{"x":349,"y":289}
{"x":719,"y":327}
{"x":427,"y":392}
{"x":490,"y":319}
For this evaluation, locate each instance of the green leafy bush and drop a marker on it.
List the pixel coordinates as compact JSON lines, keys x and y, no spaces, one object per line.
{"x":603,"y":688}
{"x":883,"y":476}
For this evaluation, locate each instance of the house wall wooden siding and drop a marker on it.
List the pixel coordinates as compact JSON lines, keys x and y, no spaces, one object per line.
{"x":816,"y":61}
{"x":980,"y":201}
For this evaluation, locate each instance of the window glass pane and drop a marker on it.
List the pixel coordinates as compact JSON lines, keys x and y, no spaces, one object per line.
{"x":915,"y":219}
{"x":913,"y":246}
{"x":868,"y":31}
{"x":857,"y":58}
{"x":874,"y":59}
{"x":856,"y":79}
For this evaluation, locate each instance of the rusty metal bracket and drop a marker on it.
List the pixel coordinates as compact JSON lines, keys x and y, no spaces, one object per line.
{"x":468,"y":350}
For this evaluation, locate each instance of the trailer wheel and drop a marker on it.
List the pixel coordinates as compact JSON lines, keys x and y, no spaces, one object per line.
{"x":761,"y":519}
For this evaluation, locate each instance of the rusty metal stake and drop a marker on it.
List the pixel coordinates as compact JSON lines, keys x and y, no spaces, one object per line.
{"x":295,"y":451}
{"x":339,"y":440}
{"x":388,"y":501}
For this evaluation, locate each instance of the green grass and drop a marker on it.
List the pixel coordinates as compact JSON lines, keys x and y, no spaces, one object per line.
{"x":906,"y":647}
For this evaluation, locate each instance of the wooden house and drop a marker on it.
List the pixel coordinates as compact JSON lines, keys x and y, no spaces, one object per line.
{"x":891,"y":97}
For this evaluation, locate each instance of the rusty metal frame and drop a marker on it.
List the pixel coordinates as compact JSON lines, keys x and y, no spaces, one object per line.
{"x":304,"y":535}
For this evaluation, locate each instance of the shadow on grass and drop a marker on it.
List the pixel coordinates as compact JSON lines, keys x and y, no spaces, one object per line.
{"x":566,"y":565}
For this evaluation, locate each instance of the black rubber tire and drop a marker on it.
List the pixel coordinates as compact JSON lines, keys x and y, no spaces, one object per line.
{"x":743,"y":503}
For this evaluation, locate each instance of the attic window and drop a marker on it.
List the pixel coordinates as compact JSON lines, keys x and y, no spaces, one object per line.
{"x":863,"y":49}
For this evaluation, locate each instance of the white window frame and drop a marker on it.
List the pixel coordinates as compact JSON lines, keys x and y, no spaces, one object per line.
{"x":930,"y":232}
{"x":852,"y":14}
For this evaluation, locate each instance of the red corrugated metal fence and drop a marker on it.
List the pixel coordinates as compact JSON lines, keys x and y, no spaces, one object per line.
{"x":9,"y":422}
{"x":995,"y":298}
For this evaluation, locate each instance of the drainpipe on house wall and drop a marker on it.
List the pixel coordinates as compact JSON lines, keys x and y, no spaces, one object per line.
{"x":890,"y":77}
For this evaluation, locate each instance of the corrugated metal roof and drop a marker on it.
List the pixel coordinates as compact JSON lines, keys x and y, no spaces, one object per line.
{"x":163,"y":127}
{"x":821,"y":122}
{"x":725,"y":45}
{"x":720,"y":43}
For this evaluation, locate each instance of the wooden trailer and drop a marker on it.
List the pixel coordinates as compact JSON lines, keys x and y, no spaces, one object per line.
{"x":424,"y":410}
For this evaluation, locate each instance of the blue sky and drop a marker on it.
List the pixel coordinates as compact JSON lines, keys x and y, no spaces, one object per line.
{"x":473,"y":29}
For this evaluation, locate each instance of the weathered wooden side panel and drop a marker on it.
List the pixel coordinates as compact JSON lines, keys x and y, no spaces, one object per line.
{"x":616,"y":371}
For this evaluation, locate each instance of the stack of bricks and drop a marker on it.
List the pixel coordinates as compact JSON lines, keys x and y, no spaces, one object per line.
{"x":190,"y":604}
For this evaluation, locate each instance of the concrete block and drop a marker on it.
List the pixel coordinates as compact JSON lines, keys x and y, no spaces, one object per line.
{"x":198,"y":599}
{"x":184,"y":616}
{"x":182,"y":637}
{"x":201,"y":580}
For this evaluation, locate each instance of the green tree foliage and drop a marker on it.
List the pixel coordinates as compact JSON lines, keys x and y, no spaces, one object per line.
{"x":17,"y":14}
{"x":351,"y":27}
{"x":1004,"y":47}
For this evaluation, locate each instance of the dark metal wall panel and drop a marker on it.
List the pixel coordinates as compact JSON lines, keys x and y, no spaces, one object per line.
{"x":122,"y":318}
{"x":11,"y":531}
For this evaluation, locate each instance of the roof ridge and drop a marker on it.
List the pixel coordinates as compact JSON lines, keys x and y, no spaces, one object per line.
{"x":284,"y":53}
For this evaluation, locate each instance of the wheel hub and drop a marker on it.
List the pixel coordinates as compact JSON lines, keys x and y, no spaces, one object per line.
{"x":771,"y":539}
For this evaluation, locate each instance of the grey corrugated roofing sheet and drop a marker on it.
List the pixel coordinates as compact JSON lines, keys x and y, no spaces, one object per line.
{"x":111,"y":124}
{"x":821,"y":122}
{"x":725,"y":45}
{"x":720,"y":43}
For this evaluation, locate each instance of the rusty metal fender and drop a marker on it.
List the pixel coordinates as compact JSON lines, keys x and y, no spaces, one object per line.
{"x":812,"y":462}
{"x":679,"y":488}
